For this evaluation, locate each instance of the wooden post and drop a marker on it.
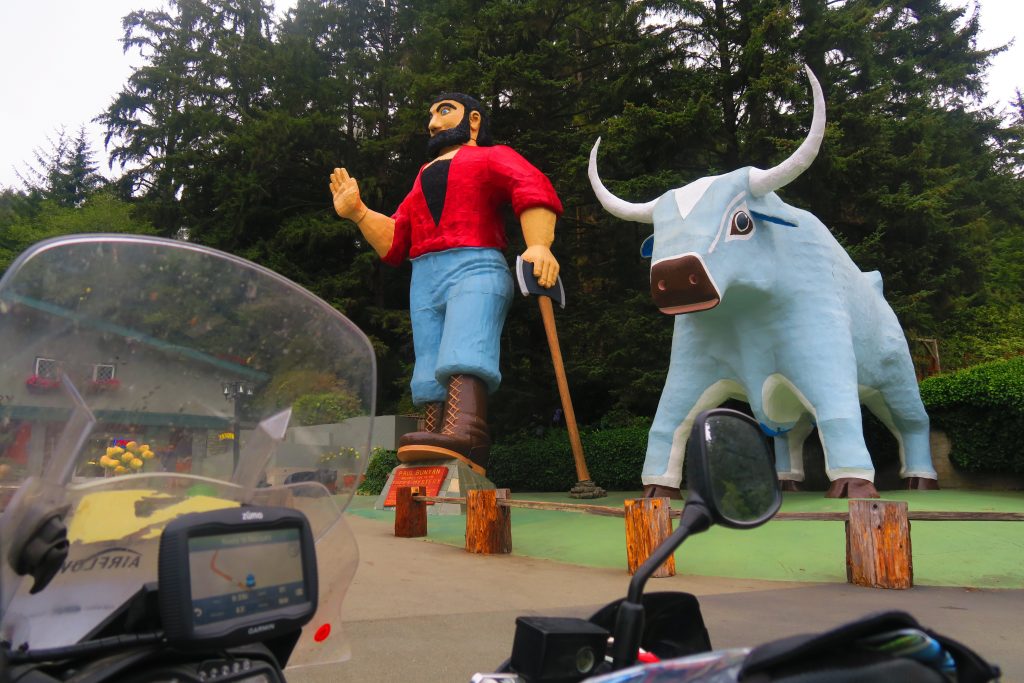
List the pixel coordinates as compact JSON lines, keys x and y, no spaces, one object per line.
{"x":878,"y":544}
{"x":647,"y":525}
{"x":410,"y":515}
{"x":488,"y":525}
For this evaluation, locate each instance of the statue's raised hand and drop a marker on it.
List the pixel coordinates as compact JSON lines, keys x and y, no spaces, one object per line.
{"x":347,"y":202}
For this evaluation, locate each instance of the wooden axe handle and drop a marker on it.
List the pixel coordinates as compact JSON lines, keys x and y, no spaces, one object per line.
{"x":548,"y":314}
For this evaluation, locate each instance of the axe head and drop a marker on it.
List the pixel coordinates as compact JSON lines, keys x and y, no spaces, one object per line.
{"x":528,"y":283}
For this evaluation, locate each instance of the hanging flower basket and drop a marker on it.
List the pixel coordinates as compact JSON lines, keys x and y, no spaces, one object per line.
{"x":41,"y":385}
{"x":98,"y":386}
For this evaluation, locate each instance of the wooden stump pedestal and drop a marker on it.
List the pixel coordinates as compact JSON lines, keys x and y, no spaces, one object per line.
{"x":410,"y":515}
{"x":488,"y":525}
{"x":878,"y":544}
{"x":647,"y":525}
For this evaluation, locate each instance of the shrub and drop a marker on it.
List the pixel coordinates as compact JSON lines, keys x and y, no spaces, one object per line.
{"x":382,"y":461}
{"x":615,"y":459}
{"x":326,"y":408}
{"x":982,"y":410}
{"x":542,"y":463}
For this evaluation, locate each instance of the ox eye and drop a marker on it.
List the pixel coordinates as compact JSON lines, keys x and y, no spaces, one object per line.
{"x":741,"y":224}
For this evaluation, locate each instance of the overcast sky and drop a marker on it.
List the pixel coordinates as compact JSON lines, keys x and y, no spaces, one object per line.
{"x":63,"y":64}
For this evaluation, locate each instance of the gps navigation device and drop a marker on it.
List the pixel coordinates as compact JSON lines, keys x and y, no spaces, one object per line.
{"x":235,"y":576}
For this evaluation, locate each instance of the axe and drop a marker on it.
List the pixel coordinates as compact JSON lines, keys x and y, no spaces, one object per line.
{"x":528,"y":285}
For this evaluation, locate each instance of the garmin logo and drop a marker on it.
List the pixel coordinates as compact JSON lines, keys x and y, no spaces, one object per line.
{"x":261,"y":629}
{"x":250,"y":515}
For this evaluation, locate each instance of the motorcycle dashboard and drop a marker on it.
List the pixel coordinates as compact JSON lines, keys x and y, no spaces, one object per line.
{"x":235,"y":576}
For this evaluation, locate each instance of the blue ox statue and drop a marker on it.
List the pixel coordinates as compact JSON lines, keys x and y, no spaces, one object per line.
{"x":784,"y":320}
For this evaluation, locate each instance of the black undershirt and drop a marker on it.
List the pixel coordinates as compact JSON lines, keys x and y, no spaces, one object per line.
{"x":434,"y":183}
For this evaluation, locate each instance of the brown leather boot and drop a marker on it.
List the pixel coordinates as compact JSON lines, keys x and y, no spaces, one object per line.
{"x":433,"y":413}
{"x":464,"y":433}
{"x":465,"y":428}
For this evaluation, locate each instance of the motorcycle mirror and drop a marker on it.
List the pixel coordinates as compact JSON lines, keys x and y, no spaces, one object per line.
{"x":730,"y":468}
{"x":732,"y":482}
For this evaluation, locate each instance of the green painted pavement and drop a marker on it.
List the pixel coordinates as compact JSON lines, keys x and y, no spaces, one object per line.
{"x":972,"y":554}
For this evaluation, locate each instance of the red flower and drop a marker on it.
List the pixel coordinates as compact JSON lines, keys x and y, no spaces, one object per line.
{"x":105,"y":385}
{"x":39,"y":383}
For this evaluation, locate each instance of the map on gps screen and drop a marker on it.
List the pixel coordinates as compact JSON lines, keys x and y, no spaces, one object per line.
{"x":241,"y":574}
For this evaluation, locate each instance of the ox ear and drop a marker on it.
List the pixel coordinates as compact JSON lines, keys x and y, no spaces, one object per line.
{"x":647,"y":248}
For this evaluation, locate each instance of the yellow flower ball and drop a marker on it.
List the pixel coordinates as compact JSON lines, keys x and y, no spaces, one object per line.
{"x":127,"y":457}
{"x":136,"y":464}
{"x":147,"y":454}
{"x":116,"y":450}
{"x":111,"y":450}
{"x":144,"y":447}
{"x":131,"y":445}
{"x":120,"y":469}
{"x":104,"y":461}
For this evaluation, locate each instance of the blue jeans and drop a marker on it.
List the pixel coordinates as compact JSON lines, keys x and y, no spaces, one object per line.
{"x":458,"y":301}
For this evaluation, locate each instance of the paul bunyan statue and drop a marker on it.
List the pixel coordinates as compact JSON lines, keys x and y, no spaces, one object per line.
{"x":450,"y":226}
{"x":770,"y":309}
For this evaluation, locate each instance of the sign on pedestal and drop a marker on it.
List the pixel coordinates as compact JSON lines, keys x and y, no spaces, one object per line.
{"x":429,"y":478}
{"x":443,"y":478}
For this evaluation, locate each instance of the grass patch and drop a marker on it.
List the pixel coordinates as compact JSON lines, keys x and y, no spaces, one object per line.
{"x":972,"y":554}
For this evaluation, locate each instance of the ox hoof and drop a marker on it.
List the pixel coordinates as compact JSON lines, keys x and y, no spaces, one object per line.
{"x":659,"y":491}
{"x":789,"y":486}
{"x":920,"y":484}
{"x":852,"y":487}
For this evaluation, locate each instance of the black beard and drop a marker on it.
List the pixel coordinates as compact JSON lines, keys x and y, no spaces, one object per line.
{"x":459,"y":135}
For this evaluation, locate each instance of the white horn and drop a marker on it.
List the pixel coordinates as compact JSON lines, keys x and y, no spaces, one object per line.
{"x":641,"y":213}
{"x":763,"y":182}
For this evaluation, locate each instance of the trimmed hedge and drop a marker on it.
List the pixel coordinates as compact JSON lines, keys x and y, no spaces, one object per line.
{"x":982,"y":410}
{"x":615,"y":459}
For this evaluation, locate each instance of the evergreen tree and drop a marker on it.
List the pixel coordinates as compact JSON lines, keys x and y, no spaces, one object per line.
{"x":64,"y":172}
{"x":171,"y":126}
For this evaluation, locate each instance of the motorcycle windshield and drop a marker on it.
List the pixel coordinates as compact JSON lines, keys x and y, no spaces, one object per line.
{"x":142,"y":379}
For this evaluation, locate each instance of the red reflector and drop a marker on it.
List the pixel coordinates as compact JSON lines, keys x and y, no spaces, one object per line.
{"x":322,"y":633}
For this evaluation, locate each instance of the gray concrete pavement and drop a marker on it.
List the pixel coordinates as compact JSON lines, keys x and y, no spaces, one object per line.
{"x":423,"y":612}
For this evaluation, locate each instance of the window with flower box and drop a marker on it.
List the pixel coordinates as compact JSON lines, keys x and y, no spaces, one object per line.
{"x":47,"y":368}
{"x":102,"y":373}
{"x":103,"y":378}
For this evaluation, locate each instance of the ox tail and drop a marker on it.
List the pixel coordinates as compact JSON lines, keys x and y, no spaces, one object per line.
{"x":641,"y":213}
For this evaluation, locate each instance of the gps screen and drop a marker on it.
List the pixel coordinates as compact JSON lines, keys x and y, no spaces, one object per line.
{"x":242,"y":574}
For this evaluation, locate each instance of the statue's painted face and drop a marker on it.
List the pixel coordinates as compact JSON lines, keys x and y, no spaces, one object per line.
{"x":445,"y":115}
{"x":449,"y":127}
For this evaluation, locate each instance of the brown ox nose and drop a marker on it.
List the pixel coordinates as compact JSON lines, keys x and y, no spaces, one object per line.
{"x":683,"y":285}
